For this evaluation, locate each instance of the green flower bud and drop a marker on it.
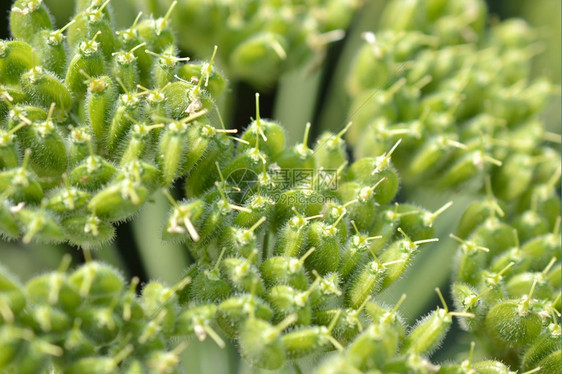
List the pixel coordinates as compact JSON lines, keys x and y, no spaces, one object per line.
{"x":27,"y":18}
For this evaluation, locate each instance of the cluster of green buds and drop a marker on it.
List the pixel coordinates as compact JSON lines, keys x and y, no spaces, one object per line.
{"x":258,"y":40}
{"x":89,"y":321}
{"x":93,"y":121}
{"x":460,"y":95}
{"x":513,"y":289}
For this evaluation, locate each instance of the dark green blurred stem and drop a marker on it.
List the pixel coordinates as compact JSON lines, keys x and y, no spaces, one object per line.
{"x":333,"y":115}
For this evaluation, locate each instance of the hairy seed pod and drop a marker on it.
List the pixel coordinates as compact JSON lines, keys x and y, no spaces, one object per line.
{"x":12,"y":298}
{"x":9,"y":228}
{"x":88,"y":59}
{"x":547,"y":343}
{"x":184,"y":220}
{"x":44,"y":89}
{"x":430,"y":331}
{"x":512,"y":323}
{"x":99,"y":282}
{"x":233,"y":313}
{"x":39,"y":225}
{"x":21,"y":183}
{"x":302,"y":342}
{"x":324,"y":238}
{"x":285,"y":270}
{"x":92,"y":173}
{"x":118,"y":201}
{"x":261,"y":344}
{"x":242,"y":275}
{"x":102,"y":95}
{"x":88,"y":231}
{"x":27,"y":18}
{"x":16,"y":57}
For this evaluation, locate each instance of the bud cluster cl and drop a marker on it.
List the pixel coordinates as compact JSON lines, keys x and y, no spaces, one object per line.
{"x":259,"y":40}
{"x":460,"y":95}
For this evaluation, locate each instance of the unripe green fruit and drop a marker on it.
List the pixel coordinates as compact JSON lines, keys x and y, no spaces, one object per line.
{"x":27,"y":18}
{"x":513,"y":324}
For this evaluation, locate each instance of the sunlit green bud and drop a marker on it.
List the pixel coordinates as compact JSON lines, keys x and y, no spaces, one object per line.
{"x":241,"y":241}
{"x":261,"y":344}
{"x":401,"y":15}
{"x":364,"y":283}
{"x":78,"y":143}
{"x":430,"y":331}
{"x":172,"y":147}
{"x":160,"y":301}
{"x":513,"y":33}
{"x":491,"y":367}
{"x":302,"y":342}
{"x":233,"y":313}
{"x":328,"y":292}
{"x":50,"y":48}
{"x":297,"y":157}
{"x":417,"y":222}
{"x":157,"y":32}
{"x":348,"y":325}
{"x":165,"y":361}
{"x":547,"y":343}
{"x":100,"y":364}
{"x":513,"y":322}
{"x":329,"y":151}
{"x":88,"y":59}
{"x":471,"y":260}
{"x":99,"y":282}
{"x":54,"y":289}
{"x":208,"y":286}
{"x":27,"y":18}
{"x":285,"y":270}
{"x":519,"y":284}
{"x":12,"y":341}
{"x":478,"y":211}
{"x":45,"y":89}
{"x":495,"y":235}
{"x":505,"y":186}
{"x":203,"y":176}
{"x":16,"y":57}
{"x":541,"y":249}
{"x":377,"y":344}
{"x":371,"y":68}
{"x":12,"y":298}
{"x":102,"y":95}
{"x":22,"y":184}
{"x":124,"y":67}
{"x":354,"y":252}
{"x":39,"y":225}
{"x":88,"y":231}
{"x":257,"y":207}
{"x":397,"y":257}
{"x":119,"y":200}
{"x":266,"y":135}
{"x":9,"y":228}
{"x":325,"y":239}
{"x":370,"y":171}
{"x":184,"y":220}
{"x":259,"y":59}
{"x":92,"y":21}
{"x":67,"y":200}
{"x":471,"y":164}
{"x":191,"y":72}
{"x":242,"y":275}
{"x":92,"y":173}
